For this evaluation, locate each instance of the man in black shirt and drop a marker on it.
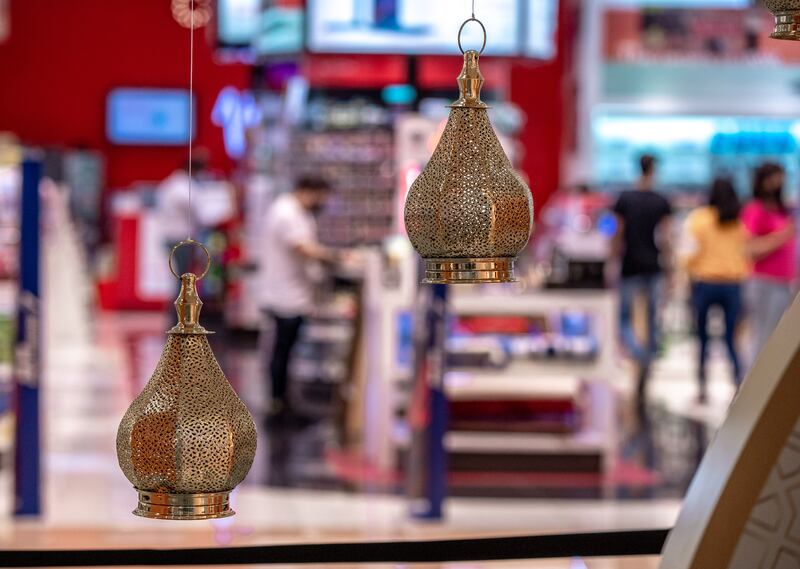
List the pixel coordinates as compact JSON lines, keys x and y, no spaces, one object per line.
{"x":642,"y":240}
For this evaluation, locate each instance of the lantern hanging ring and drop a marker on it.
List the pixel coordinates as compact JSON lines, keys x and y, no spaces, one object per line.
{"x":186,"y":243}
{"x":461,"y":29}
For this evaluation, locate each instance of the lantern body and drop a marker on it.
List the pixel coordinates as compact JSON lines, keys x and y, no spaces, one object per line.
{"x":787,"y":19}
{"x":468,"y":214}
{"x":187,"y":440}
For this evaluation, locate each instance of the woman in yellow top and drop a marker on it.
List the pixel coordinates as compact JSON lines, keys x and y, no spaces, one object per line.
{"x":717,"y":267}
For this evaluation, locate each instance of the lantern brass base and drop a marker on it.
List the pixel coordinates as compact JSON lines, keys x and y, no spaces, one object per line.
{"x":787,"y":26}
{"x":465,"y":271}
{"x":164,"y":506}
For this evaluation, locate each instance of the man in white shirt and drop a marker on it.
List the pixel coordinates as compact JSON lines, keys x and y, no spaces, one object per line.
{"x":176,"y":220}
{"x":289,"y":246}
{"x":178,"y":216}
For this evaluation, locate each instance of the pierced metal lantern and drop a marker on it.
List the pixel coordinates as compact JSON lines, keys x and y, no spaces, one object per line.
{"x":787,"y":19}
{"x":187,"y":440}
{"x":469,"y":214}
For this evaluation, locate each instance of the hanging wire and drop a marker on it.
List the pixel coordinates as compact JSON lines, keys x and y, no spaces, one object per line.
{"x":473,"y":9}
{"x":191,"y":115}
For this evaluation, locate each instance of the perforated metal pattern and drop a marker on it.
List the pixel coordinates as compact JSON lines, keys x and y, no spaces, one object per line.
{"x":469,"y":202}
{"x":782,"y":5}
{"x":188,"y":431}
{"x":787,"y":19}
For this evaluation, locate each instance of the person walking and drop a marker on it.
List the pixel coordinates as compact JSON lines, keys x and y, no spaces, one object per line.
{"x":717,"y":268}
{"x":642,"y":241}
{"x":773,"y":247}
{"x":289,"y":246}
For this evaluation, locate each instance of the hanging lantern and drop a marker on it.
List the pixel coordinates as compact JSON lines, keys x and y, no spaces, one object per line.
{"x":787,"y":19}
{"x":187,"y":440}
{"x":469,"y":214}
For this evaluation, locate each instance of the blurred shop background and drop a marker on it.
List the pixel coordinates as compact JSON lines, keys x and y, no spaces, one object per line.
{"x":544,"y":428}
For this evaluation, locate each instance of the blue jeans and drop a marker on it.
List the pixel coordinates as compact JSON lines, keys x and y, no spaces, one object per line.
{"x":630,"y":288}
{"x":727,"y":296}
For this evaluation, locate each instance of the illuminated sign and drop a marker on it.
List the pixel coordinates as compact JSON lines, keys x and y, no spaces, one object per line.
{"x":235,"y":111}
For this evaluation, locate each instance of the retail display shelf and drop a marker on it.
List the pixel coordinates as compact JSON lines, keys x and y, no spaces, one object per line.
{"x":585,"y":386}
{"x":331,"y":332}
{"x":518,"y":381}
{"x":553,"y":411}
{"x":502,"y":442}
{"x":358,"y":164}
{"x":528,"y":303}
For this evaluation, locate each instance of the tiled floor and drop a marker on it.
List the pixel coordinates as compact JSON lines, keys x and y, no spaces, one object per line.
{"x":88,"y":501}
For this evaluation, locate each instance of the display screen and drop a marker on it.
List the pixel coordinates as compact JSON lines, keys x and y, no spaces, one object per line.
{"x":280,"y":31}
{"x":148,"y":116}
{"x":238,"y":22}
{"x":411,"y":26}
{"x":540,"y":36}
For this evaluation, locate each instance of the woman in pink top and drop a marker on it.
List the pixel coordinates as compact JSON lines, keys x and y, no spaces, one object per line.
{"x":773,"y":248}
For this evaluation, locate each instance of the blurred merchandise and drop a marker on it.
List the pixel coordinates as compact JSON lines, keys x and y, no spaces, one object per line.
{"x":10,"y":187}
{"x":9,"y":220}
{"x":572,"y":242}
{"x":84,"y":175}
{"x":728,"y":30}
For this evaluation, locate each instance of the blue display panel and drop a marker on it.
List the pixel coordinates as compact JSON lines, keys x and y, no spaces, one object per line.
{"x":158,"y":117}
{"x":540,"y":35}
{"x":411,"y":26}
{"x":281,"y":31}
{"x":238,"y":22}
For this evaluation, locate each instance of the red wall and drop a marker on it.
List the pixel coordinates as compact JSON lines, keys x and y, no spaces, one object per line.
{"x":545,"y":91}
{"x":62,"y":58}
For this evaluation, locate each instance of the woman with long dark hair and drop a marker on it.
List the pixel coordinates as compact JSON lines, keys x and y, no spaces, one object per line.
{"x":718,"y":267}
{"x":773,"y":247}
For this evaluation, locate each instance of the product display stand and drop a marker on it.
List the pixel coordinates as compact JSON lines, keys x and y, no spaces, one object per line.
{"x":589,"y":384}
{"x":391,"y":288}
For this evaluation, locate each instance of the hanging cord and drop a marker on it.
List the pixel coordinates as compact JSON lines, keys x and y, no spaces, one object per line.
{"x":473,"y":9}
{"x":191,"y":116}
